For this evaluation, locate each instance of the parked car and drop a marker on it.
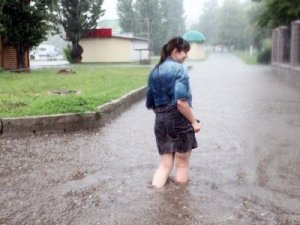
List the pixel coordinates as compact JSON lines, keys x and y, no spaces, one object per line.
{"x":44,"y":52}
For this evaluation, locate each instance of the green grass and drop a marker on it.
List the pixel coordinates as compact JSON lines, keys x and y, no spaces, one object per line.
{"x":246,"y":57}
{"x":28,"y":94}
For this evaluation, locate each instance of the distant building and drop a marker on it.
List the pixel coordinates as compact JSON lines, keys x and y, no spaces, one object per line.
{"x":100,"y":45}
{"x":196,"y":40}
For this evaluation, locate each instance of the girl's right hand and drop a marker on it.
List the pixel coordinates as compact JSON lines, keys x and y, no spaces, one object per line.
{"x":196,"y":126}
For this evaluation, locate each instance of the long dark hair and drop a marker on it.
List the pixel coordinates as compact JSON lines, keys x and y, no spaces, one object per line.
{"x":177,"y":42}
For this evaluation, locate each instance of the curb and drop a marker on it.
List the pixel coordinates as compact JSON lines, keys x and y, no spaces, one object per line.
{"x":62,"y":123}
{"x":287,"y":73}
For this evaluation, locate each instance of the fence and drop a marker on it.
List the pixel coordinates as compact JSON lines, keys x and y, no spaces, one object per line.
{"x":286,"y":51}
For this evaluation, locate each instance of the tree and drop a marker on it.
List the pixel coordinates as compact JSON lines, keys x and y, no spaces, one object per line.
{"x":148,"y":22}
{"x":2,"y":2}
{"x":78,"y":17}
{"x":278,"y":12}
{"x":126,"y":15}
{"x":259,"y":33}
{"x":229,"y":25}
{"x":24,"y":25}
{"x":208,"y":21}
{"x":232,"y":21}
{"x":157,"y":20}
{"x":173,"y":18}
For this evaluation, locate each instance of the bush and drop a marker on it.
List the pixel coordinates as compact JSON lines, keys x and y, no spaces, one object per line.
{"x":67,"y":53}
{"x":264,"y":55}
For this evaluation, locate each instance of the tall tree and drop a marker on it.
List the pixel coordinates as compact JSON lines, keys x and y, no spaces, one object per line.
{"x":148,"y":22}
{"x":232,"y":20}
{"x":173,"y":18}
{"x":156,"y":20}
{"x":77,"y":17}
{"x":260,"y":33}
{"x":24,"y":25}
{"x":126,"y":15}
{"x":208,"y":21}
{"x":2,"y":2}
{"x":278,"y":12}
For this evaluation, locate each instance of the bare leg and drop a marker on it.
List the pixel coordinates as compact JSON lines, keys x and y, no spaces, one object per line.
{"x":182,"y":166}
{"x":163,"y":171}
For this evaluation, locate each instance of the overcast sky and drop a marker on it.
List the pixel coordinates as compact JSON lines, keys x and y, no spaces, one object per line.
{"x":192,"y":9}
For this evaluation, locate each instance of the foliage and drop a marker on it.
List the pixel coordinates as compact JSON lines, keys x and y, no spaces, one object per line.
{"x":149,"y":22}
{"x":77,"y":17}
{"x":208,"y":21}
{"x":157,"y":20}
{"x":228,"y":25}
{"x":278,"y":12}
{"x":246,"y":57}
{"x":260,"y":33}
{"x":24,"y":24}
{"x":95,"y":84}
{"x":126,"y":14}
{"x":232,"y":25}
{"x":173,"y":18}
{"x":264,"y":55}
{"x":2,"y":2}
{"x":67,"y":53}
{"x":269,"y":14}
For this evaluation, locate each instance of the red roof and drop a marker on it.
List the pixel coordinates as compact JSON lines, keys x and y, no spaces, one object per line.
{"x":107,"y":33}
{"x":99,"y":33}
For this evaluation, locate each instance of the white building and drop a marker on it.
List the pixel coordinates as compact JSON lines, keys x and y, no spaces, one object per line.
{"x":101,"y":46}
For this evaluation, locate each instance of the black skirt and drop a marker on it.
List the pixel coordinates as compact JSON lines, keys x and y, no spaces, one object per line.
{"x":173,"y":132}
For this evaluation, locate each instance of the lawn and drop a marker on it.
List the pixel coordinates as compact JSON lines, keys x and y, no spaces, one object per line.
{"x":46,"y":92}
{"x":246,"y":57}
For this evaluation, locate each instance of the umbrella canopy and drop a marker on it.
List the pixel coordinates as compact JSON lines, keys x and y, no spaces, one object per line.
{"x":194,"y":36}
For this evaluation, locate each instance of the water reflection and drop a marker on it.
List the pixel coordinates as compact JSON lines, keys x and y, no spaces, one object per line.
{"x":172,"y":205}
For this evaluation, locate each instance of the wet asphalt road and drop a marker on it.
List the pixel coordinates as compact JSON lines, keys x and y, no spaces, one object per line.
{"x":246,"y":169}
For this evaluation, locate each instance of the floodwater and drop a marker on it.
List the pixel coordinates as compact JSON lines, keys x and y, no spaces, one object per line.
{"x":246,"y":169}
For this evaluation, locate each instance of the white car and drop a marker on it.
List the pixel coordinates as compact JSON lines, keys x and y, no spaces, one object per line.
{"x":44,"y":52}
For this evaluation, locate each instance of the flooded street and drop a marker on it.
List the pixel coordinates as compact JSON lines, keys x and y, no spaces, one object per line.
{"x":246,"y":169}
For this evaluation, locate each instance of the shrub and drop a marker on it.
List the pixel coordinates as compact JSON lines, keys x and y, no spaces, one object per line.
{"x":67,"y":53}
{"x":264,"y":55}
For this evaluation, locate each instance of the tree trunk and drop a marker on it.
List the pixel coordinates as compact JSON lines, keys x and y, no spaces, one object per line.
{"x":76,"y":52}
{"x":20,"y":50}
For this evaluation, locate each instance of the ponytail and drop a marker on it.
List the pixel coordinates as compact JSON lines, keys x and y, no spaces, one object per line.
{"x":163,"y":54}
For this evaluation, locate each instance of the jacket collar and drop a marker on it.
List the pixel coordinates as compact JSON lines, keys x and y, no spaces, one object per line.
{"x":169,"y":58}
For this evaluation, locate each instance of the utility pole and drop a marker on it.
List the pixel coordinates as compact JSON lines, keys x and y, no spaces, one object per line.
{"x":148,"y":37}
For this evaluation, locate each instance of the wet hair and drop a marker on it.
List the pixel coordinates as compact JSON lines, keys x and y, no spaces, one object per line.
{"x":177,"y":42}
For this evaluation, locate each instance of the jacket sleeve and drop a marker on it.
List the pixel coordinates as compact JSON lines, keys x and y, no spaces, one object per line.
{"x":149,"y":99}
{"x":181,"y":86}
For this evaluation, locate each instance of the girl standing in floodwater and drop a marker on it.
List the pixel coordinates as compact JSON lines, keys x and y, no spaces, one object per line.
{"x":169,"y":96}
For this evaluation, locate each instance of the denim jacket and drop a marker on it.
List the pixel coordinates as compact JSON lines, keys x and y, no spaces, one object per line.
{"x":167,"y":83}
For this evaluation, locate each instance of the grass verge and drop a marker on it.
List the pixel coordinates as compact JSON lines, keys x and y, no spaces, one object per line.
{"x":246,"y":57}
{"x":46,"y":92}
